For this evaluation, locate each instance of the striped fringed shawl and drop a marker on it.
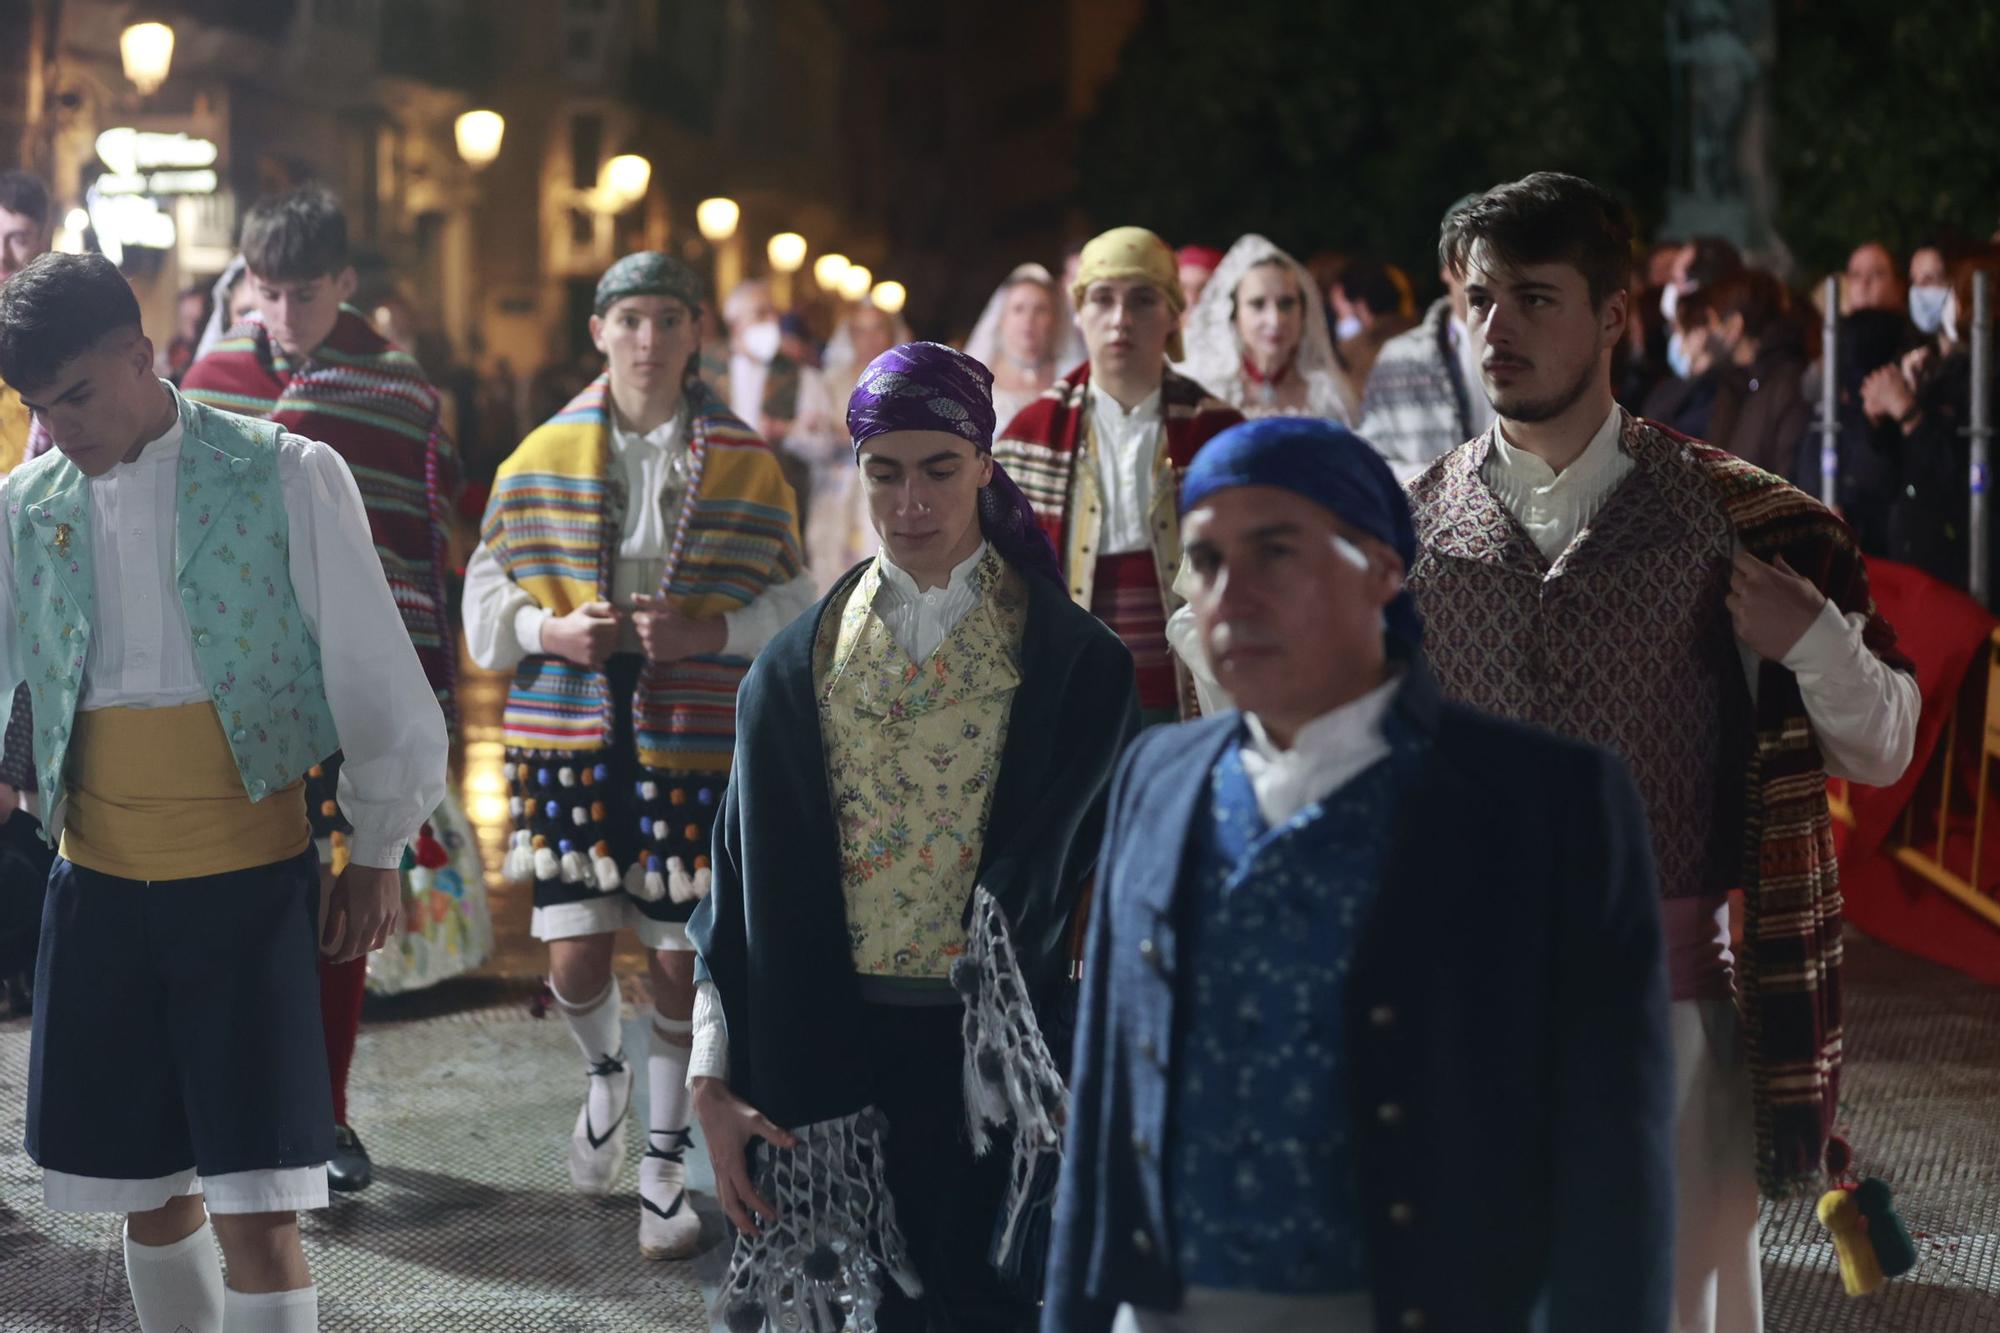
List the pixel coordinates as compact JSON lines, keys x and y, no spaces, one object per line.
{"x":553,"y":523}
{"x":370,"y":401}
{"x":1789,"y":970}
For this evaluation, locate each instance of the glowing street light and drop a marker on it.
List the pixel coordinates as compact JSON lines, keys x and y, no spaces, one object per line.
{"x":787,"y":252}
{"x":828,"y":270}
{"x":890,"y":297}
{"x":147,"y":50}
{"x":854,"y":283}
{"x":622,"y":181}
{"x":479,"y":134}
{"x":717,"y":219}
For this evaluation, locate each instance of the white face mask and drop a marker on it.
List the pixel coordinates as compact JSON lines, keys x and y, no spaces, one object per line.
{"x":1927,"y":307}
{"x":760,"y":340}
{"x":1347,"y":327}
{"x":1670,"y":301}
{"x":1677,"y":355}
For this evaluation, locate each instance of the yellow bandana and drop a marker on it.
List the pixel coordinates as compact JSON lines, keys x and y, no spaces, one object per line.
{"x":1133,"y":252}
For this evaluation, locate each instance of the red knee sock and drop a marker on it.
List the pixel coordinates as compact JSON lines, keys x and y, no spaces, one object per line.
{"x":340,"y":989}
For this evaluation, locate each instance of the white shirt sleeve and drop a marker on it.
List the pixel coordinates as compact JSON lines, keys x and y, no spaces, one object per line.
{"x":391,"y":729}
{"x":503,"y":622}
{"x":1864,"y":711}
{"x":753,"y":626}
{"x":709,"y":1057}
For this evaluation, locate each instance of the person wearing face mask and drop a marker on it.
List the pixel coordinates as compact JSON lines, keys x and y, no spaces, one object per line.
{"x":1100,"y":454}
{"x":784,"y":399}
{"x":1760,"y":409}
{"x":1257,"y":338}
{"x":640,"y":548}
{"x":1928,"y":289}
{"x":1372,"y":302}
{"x":1703,"y":260}
{"x":922,"y":757}
{"x":1017,"y":339}
{"x":1917,"y":410}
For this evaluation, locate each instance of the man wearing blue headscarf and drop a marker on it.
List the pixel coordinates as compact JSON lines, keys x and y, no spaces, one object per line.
{"x":1373,"y":1027}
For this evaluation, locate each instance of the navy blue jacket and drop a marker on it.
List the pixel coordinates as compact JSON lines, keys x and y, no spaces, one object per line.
{"x":1507,"y":1034}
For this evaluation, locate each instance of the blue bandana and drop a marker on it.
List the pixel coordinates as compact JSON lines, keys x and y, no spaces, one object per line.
{"x":1327,"y":464}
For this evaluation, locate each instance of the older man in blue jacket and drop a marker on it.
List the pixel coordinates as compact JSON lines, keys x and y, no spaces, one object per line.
{"x":1373,"y":1031}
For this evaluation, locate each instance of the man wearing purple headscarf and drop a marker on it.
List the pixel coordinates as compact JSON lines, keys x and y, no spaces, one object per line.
{"x":915,"y":807}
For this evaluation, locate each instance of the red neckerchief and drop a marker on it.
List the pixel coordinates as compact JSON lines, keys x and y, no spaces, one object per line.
{"x":1257,"y":377}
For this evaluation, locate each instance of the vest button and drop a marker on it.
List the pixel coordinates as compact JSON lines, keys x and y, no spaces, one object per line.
{"x":220,"y":692}
{"x":187,"y":594}
{"x":1142,"y":1244}
{"x":1381,"y":1016}
{"x":204,"y":638}
{"x":1402,"y":1214}
{"x":258,"y":786}
{"x":239,"y":465}
{"x":1390,"y":1114}
{"x":239,"y":735}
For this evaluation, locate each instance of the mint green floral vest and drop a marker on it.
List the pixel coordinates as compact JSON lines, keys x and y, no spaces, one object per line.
{"x":254,"y":650}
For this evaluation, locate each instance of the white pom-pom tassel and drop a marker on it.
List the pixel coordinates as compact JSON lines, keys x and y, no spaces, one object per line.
{"x":679,"y":885}
{"x":422,"y":879}
{"x":653,"y":887}
{"x":546,"y":865}
{"x":649,"y":791}
{"x":579,"y":816}
{"x":659,"y":830}
{"x":574,"y":868}
{"x":635,"y":880}
{"x":515,"y":807}
{"x":608,"y":877}
{"x":702,"y":880}
{"x":567,"y":777}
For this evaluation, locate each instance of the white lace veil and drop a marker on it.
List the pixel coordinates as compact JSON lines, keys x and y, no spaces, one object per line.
{"x":218,"y":314}
{"x":1215,"y":354}
{"x":983,"y":345}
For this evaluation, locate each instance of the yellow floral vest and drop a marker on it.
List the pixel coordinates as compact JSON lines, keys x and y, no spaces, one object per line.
{"x":912,"y":755}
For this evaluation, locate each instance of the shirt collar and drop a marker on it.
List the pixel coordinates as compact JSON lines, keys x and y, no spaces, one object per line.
{"x":162,"y":449}
{"x":1354,"y":723}
{"x":661,"y":437}
{"x":1103,"y":405}
{"x":1598,"y":457}
{"x":904,"y":588}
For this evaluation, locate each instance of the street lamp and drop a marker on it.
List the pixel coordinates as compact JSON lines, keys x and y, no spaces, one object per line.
{"x":890,"y":297}
{"x":147,"y":50}
{"x":479,"y":134}
{"x":717,"y":219}
{"x":854,"y":283}
{"x":622,"y":181}
{"x":828,"y":270}
{"x":787,"y":251}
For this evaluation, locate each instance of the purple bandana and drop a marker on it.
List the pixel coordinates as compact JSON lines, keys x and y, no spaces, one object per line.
{"x":928,"y":386}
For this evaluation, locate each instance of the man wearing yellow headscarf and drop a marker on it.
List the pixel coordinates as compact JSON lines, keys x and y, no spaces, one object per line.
{"x":1100,"y":455}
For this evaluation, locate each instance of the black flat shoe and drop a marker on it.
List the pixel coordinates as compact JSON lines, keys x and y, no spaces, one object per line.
{"x":350,"y":1168}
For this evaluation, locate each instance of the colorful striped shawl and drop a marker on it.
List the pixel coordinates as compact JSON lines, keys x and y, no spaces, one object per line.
{"x":553,"y":524}
{"x":370,"y":401}
{"x":1789,"y":967}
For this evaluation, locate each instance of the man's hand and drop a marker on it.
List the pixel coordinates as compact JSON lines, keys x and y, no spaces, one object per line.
{"x":362,"y":913}
{"x":10,"y":801}
{"x":728,"y":1124}
{"x":669,"y":636}
{"x":1771,"y":606}
{"x":586,"y":636}
{"x":1885,"y":394}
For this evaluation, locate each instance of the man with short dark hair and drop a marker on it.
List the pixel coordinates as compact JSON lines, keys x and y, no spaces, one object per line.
{"x":1591,"y":573}
{"x":195,"y":601}
{"x":1373,"y":1027}
{"x":314,"y":365}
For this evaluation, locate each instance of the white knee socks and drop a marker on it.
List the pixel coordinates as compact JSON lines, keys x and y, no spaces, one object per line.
{"x":271,"y":1311}
{"x":667,"y":1099}
{"x":594,"y":1022}
{"x":176,"y":1287}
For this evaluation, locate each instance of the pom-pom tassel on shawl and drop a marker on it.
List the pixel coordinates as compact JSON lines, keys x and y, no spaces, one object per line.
{"x":1011,"y":1080}
{"x":818,"y":1268}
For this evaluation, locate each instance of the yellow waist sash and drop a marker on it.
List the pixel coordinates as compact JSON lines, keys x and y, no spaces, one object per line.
{"x":154,"y":793}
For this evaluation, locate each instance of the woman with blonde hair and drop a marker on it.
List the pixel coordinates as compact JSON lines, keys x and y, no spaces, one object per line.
{"x":1258,"y":338}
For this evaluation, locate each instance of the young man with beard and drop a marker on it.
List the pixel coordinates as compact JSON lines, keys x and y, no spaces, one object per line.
{"x":1591,"y":573}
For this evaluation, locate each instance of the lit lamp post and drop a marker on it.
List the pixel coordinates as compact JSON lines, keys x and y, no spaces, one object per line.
{"x":623,"y":181}
{"x":147,"y":52}
{"x":828,"y":270}
{"x":716,"y":219}
{"x":855,"y":283}
{"x":479,"y":134}
{"x":889,"y":297}
{"x":787,"y":253}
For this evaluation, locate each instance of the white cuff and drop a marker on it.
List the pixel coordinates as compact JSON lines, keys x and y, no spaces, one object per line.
{"x":708,"y":1057}
{"x":528,"y":629}
{"x":1828,"y":644}
{"x":376,"y":851}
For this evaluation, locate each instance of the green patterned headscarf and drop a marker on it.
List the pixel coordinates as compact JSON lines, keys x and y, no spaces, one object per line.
{"x":650,"y":273}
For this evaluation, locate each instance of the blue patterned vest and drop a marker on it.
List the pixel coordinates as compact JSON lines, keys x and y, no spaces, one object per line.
{"x":256,"y":655}
{"x":1259,"y":1160}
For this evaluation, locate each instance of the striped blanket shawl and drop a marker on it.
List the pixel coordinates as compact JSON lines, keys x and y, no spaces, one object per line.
{"x":1789,"y":969}
{"x":554,"y":522}
{"x":370,"y":401}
